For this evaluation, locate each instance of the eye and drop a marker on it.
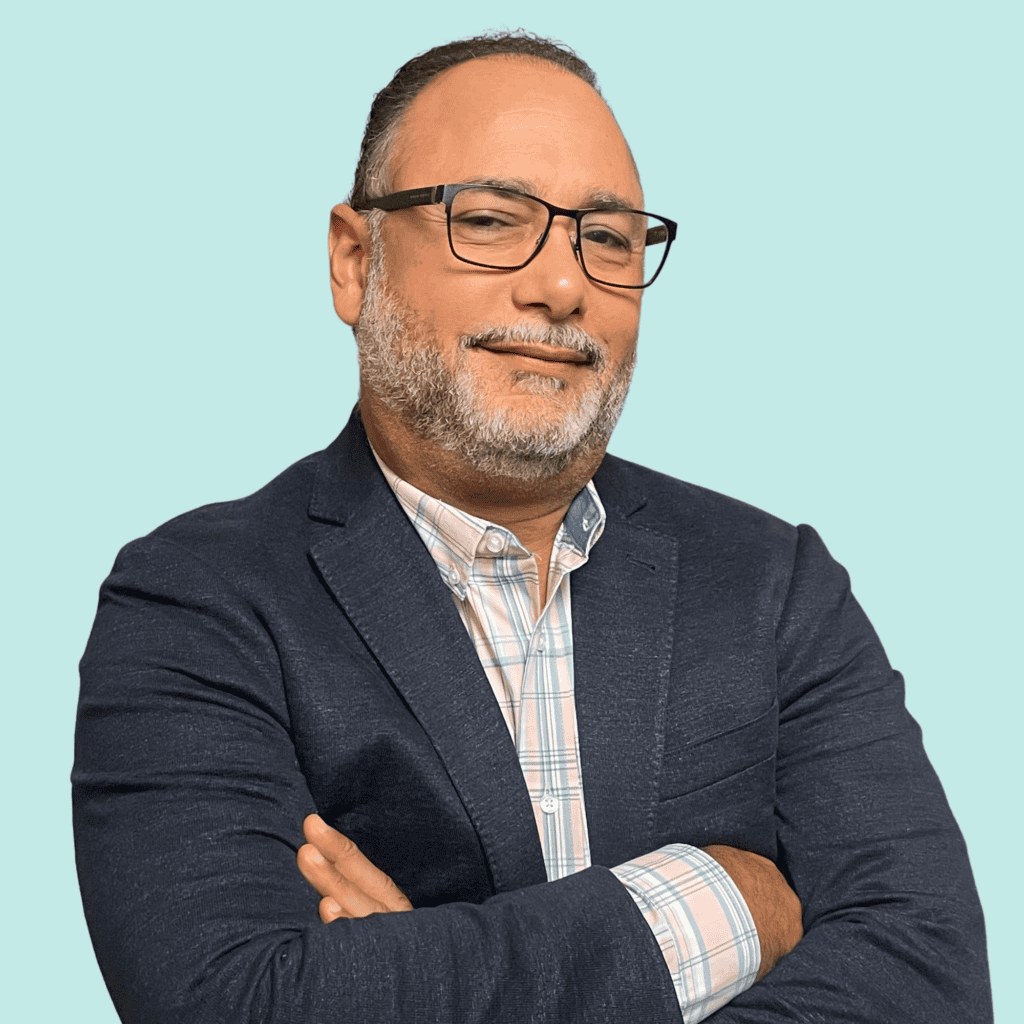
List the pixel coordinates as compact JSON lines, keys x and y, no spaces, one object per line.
{"x":483,"y":220}
{"x":605,"y":238}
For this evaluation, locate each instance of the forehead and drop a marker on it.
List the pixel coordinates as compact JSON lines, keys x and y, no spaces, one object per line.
{"x":514,"y":118}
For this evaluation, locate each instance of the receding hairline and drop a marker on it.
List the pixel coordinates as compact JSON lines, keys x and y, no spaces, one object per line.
{"x":397,"y":128}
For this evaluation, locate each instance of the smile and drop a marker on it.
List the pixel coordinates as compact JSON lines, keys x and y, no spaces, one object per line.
{"x":545,"y":353}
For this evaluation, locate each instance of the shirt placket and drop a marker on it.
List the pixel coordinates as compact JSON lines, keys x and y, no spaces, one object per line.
{"x":547,"y":741}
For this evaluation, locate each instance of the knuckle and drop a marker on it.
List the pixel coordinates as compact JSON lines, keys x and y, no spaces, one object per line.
{"x":345,"y":847}
{"x":394,"y":895}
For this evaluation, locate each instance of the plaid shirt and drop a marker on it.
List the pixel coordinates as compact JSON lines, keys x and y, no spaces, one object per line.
{"x":698,"y":916}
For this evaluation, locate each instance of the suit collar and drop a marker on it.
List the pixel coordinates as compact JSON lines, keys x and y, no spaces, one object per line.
{"x":386,"y":583}
{"x":620,"y":486}
{"x":347,"y":475}
{"x":623,"y":615}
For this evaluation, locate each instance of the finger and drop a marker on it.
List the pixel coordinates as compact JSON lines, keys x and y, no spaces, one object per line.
{"x":353,"y":867}
{"x":318,"y":871}
{"x":329,"y":841}
{"x":351,"y":863}
{"x":329,"y":910}
{"x":350,"y":899}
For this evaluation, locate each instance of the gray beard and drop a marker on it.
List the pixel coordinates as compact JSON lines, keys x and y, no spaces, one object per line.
{"x":401,"y":364}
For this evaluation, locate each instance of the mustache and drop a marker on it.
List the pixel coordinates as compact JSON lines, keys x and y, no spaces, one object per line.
{"x":574,"y":339}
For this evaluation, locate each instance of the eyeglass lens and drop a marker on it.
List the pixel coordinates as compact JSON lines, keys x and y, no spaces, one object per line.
{"x":498,"y":229}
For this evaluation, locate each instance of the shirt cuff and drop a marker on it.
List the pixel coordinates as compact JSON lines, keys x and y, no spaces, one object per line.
{"x":701,"y":923}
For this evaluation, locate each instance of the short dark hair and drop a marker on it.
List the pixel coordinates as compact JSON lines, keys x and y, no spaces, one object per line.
{"x":391,"y":103}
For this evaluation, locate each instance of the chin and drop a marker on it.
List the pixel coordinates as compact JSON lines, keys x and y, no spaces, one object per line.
{"x":541,"y":412}
{"x":538,"y":384}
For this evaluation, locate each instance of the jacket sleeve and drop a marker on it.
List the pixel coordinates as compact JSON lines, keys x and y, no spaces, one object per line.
{"x":188,"y":801}
{"x":893,"y":926}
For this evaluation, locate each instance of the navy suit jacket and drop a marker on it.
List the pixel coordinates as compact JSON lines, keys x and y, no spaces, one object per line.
{"x":293,"y":651}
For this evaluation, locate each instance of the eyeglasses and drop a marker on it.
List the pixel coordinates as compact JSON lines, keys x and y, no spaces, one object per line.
{"x":503,"y":229}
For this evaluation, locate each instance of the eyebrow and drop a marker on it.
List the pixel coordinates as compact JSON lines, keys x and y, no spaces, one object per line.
{"x":595,"y":199}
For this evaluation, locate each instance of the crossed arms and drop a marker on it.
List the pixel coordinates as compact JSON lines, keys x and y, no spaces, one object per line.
{"x":350,"y":886}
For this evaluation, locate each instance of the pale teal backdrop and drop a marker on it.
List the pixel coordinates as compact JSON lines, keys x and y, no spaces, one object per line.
{"x":836,"y":337}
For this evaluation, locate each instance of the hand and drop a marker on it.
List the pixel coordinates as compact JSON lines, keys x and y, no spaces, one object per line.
{"x":349,"y":884}
{"x":773,"y":905}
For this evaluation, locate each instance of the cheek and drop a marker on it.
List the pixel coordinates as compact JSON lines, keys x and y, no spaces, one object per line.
{"x":618,"y":323}
{"x":457,"y":302}
{"x":417,"y":269}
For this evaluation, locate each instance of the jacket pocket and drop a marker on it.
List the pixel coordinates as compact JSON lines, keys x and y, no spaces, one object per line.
{"x":738,"y":810}
{"x":709,"y":760}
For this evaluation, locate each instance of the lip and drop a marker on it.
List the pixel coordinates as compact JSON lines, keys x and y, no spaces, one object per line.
{"x":542,"y":352}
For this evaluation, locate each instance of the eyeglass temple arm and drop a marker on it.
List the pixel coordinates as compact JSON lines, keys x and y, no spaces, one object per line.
{"x":403,"y":200}
{"x":661,"y":233}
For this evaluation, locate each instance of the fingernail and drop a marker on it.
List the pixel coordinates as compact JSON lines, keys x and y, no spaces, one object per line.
{"x":333,"y":907}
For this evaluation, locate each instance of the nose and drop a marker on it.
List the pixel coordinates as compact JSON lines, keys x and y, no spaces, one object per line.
{"x":553,"y":281}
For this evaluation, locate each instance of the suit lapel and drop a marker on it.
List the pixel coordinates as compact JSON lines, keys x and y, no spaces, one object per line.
{"x":623,"y":604}
{"x":388,"y":585}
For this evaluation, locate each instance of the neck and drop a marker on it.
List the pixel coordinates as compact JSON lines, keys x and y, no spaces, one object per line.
{"x":533,"y":510}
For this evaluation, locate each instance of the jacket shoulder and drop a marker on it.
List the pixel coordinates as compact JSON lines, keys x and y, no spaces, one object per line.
{"x":676,"y":508}
{"x":245,"y":533}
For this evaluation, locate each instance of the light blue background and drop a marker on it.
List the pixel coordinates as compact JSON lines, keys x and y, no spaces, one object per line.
{"x":836,"y":337}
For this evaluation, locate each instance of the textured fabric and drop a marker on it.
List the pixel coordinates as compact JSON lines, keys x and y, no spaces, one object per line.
{"x":699,"y":918}
{"x":295,"y":651}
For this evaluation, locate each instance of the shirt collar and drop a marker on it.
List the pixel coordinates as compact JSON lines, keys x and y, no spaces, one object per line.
{"x":447,"y":530}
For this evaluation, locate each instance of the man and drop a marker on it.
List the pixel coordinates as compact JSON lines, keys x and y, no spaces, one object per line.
{"x":619,"y":741}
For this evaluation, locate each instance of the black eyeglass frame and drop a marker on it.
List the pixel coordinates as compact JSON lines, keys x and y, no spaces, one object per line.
{"x":665,"y":231}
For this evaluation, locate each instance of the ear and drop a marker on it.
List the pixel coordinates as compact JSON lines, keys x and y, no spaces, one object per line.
{"x":349,"y":247}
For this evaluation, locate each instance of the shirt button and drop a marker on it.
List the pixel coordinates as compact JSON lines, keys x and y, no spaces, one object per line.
{"x":454,"y":576}
{"x":586,"y":523}
{"x":540,"y":643}
{"x":494,"y":543}
{"x":548,"y":804}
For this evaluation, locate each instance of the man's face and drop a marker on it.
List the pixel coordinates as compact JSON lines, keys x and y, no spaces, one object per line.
{"x":519,"y":371}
